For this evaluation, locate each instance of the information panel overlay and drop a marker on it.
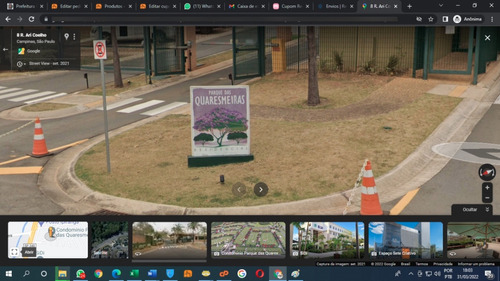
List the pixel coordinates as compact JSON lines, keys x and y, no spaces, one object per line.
{"x":220,"y":120}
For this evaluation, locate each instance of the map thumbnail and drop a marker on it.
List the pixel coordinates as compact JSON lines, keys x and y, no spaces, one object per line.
{"x":248,"y":239}
{"x":49,"y":240}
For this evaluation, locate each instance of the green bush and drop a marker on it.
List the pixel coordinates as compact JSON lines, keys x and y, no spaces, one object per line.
{"x":204,"y":138}
{"x":339,"y":61}
{"x":349,"y":254}
{"x":237,"y":136}
{"x":392,"y":65}
{"x":369,"y":66}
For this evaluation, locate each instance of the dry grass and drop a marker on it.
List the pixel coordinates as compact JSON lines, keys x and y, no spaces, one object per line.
{"x":297,"y":160}
{"x":336,"y":90}
{"x":45,"y":106}
{"x":111,"y":90}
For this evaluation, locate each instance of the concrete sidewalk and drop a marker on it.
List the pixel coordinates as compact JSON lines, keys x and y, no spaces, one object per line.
{"x":59,"y":182}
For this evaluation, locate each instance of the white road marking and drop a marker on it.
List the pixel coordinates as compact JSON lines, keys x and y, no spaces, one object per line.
{"x":17,"y":93}
{"x":37,"y":95}
{"x":120,"y":103}
{"x":162,"y":109}
{"x":9,"y":90}
{"x":46,"y":98}
{"x":140,"y":106}
{"x":497,"y":101}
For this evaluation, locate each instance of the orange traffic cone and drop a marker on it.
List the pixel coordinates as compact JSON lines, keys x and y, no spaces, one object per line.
{"x":370,"y":204}
{"x":39,"y":145}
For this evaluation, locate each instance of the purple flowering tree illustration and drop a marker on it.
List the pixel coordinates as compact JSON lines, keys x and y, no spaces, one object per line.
{"x":221,"y":121}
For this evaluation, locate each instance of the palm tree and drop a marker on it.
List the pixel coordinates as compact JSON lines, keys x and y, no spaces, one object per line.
{"x":344,"y":243}
{"x":298,"y":225}
{"x":336,"y":242}
{"x":330,"y":244}
{"x":308,"y":224}
{"x":194,"y":226}
{"x":177,"y":230}
{"x":321,"y":237}
{"x":203,"y":230}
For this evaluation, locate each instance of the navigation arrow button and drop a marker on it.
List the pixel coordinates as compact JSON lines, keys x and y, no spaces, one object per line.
{"x":261,"y":189}
{"x":239,"y":189}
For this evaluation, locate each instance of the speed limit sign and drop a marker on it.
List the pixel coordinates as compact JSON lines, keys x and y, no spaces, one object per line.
{"x":100,"y":50}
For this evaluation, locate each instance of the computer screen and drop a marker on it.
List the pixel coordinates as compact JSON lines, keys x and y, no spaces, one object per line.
{"x":217,"y":140}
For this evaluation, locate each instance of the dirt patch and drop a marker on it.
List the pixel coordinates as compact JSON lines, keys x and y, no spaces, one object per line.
{"x":389,"y":97}
{"x":289,"y":89}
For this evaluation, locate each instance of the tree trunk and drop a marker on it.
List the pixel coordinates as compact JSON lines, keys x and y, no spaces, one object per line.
{"x":312,"y":88}
{"x":116,"y":59}
{"x":357,"y":242}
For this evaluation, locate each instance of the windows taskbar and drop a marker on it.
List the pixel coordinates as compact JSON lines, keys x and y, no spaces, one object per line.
{"x":250,"y":273}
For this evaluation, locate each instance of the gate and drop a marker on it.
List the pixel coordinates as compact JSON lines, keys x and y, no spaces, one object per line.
{"x":168,"y":50}
{"x":451,"y":50}
{"x":248,"y":52}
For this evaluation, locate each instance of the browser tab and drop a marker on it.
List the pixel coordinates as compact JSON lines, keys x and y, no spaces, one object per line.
{"x":113,"y":6}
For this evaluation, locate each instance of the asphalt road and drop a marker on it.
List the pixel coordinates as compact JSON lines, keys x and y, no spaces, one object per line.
{"x":458,"y":182}
{"x":20,"y":194}
{"x":59,"y":82}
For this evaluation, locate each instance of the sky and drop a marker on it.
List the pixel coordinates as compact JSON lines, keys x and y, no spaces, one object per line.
{"x":160,"y":226}
{"x":351,"y":226}
{"x":377,"y":228}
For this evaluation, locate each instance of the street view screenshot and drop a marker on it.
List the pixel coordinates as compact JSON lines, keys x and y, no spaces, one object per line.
{"x":148,"y":140}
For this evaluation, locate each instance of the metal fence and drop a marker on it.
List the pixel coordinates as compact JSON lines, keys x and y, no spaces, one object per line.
{"x":366,"y":49}
{"x":380,"y":50}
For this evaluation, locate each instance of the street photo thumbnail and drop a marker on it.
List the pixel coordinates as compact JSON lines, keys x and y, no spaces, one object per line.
{"x":169,"y":240}
{"x":248,"y":240}
{"x":405,"y":240}
{"x":327,"y":240}
{"x":109,"y":240}
{"x":473,"y":240}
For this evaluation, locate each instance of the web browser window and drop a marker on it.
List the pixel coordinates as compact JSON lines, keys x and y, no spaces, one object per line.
{"x":253,"y":140}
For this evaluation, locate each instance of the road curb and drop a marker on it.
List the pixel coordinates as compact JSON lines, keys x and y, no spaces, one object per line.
{"x":59,"y":182}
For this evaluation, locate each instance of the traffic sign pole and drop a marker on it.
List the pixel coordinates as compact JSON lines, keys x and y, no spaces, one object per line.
{"x":100,"y":54}
{"x":105,"y":110}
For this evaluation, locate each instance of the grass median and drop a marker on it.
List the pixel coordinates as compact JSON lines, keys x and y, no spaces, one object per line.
{"x":45,"y":106}
{"x":296,"y":159}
